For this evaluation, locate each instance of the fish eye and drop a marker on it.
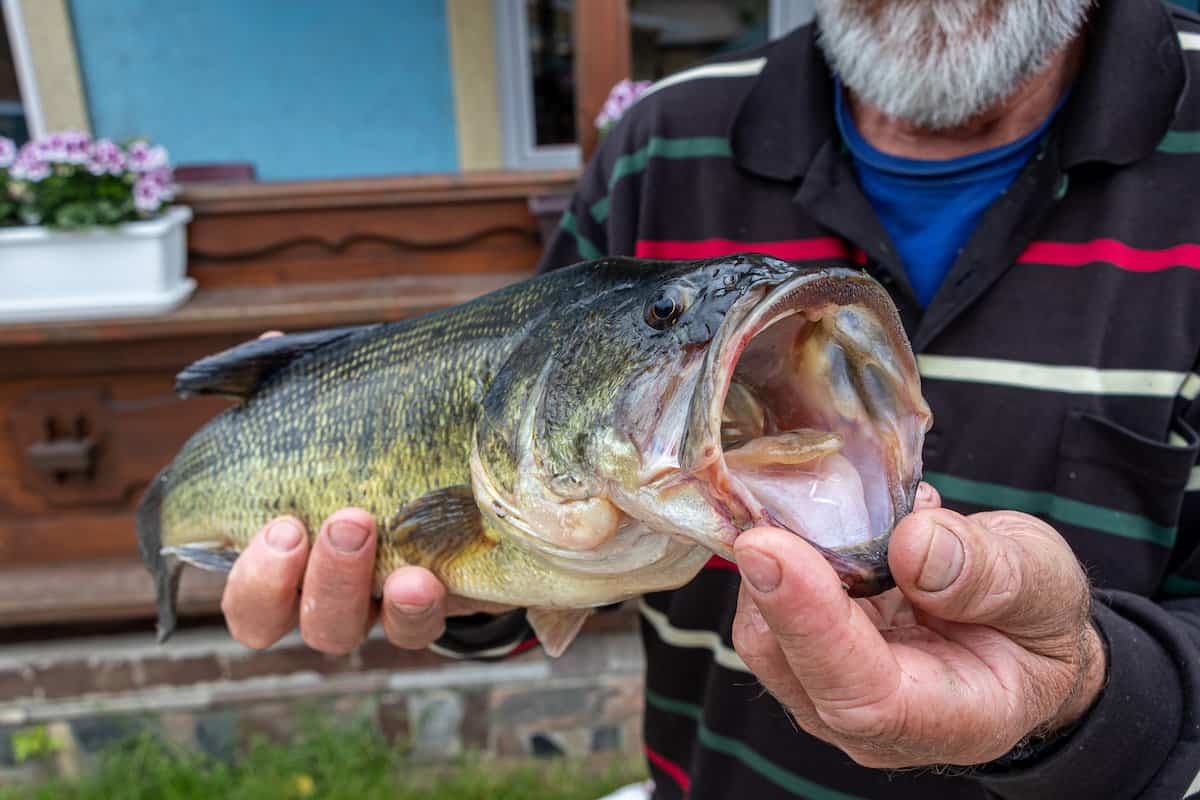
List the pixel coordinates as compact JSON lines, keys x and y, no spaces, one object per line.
{"x":663,"y":311}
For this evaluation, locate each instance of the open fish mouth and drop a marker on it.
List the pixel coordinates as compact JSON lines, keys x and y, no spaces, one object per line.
{"x":809,"y":417}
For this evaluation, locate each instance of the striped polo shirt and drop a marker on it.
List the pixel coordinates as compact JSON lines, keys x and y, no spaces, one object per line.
{"x":1059,"y":357}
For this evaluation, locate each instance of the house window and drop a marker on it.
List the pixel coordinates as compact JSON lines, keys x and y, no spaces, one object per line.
{"x":15,"y":67}
{"x":536,"y":60}
{"x":535,"y":56}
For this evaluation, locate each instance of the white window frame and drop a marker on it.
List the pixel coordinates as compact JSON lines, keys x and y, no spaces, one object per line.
{"x":519,"y":143}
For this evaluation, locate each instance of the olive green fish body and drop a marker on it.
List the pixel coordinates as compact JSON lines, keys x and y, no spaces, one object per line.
{"x":562,"y":443}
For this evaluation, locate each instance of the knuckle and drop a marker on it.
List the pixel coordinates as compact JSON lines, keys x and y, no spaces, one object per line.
{"x":867,"y":758}
{"x":323,"y":642}
{"x":414,"y":637}
{"x":249,"y":636}
{"x":749,"y":643}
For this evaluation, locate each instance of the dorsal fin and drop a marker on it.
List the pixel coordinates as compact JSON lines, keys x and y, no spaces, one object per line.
{"x":240,"y":370}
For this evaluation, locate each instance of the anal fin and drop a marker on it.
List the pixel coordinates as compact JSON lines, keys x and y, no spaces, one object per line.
{"x":213,"y":556}
{"x":556,"y":628}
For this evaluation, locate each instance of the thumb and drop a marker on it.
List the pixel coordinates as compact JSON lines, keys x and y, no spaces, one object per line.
{"x":1004,"y":569}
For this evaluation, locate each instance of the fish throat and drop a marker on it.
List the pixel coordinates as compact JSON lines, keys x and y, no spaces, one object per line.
{"x":809,"y":417}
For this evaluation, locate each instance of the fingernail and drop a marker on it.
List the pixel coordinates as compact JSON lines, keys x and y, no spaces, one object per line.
{"x":943,"y":561}
{"x":284,"y":536}
{"x":412,"y":610}
{"x":924,"y":492}
{"x":760,"y":569}
{"x":347,"y":537}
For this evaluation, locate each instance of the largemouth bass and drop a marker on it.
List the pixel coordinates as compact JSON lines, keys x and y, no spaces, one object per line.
{"x":571,"y":441}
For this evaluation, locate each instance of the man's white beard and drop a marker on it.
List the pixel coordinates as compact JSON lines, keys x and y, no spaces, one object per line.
{"x":938,"y":63}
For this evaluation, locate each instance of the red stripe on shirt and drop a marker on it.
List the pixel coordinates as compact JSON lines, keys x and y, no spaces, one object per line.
{"x":670,"y":767}
{"x":1120,"y":255}
{"x":716,"y":562}
{"x":789,"y":250}
{"x":528,"y":644}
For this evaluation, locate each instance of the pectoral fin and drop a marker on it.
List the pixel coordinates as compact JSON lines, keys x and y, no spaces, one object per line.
{"x":556,"y":628}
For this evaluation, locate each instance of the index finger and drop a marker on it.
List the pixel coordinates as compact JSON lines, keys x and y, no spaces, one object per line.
{"x":831,"y":646}
{"x":261,"y":596}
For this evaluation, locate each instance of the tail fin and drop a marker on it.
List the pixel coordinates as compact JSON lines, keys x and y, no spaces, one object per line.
{"x":164,"y":569}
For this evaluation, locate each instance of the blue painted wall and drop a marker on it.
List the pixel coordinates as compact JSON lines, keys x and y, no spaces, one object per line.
{"x":304,"y":89}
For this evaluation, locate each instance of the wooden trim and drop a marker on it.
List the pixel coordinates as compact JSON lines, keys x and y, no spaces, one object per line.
{"x":100,"y":590}
{"x":250,"y":310}
{"x":602,"y":58}
{"x":208,"y":199}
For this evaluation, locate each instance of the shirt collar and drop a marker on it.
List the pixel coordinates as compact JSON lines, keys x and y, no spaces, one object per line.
{"x":1131,"y":83}
{"x":1119,"y":110}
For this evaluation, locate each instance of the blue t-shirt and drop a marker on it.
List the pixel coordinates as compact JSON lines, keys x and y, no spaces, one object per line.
{"x":930,"y":208}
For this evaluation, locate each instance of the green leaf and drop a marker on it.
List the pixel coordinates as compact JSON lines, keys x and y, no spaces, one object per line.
{"x":74,"y":215}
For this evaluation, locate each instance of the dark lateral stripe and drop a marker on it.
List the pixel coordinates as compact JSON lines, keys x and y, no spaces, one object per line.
{"x":1110,"y":251}
{"x":1063,"y":509}
{"x":789,"y":250}
{"x":1180,"y":142}
{"x":740,"y":751}
{"x":587,"y":249}
{"x":673,"y":770}
{"x":1181,"y":587}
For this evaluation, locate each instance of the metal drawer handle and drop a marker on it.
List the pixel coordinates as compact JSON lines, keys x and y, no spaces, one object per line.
{"x":62,"y":455}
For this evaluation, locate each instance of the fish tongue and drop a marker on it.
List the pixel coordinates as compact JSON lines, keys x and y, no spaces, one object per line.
{"x":792,"y":447}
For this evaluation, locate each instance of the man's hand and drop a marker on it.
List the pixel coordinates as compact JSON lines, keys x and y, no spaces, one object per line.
{"x":986,"y":639}
{"x":276,"y":583}
{"x":279,"y":581}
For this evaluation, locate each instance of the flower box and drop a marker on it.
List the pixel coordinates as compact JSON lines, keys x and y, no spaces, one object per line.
{"x":131,"y":269}
{"x":86,"y":229}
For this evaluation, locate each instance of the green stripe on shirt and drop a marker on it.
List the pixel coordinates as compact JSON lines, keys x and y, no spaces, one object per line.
{"x":661,"y":147}
{"x":1063,"y":509}
{"x":783,"y":778}
{"x":1179,"y":587}
{"x":1180,"y":142}
{"x":587,"y":249}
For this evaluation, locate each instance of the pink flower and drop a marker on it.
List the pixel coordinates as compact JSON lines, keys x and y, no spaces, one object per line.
{"x":622,"y":96}
{"x":8,"y":152}
{"x":144,"y":157}
{"x":150,"y":192}
{"x":63,"y":147}
{"x":105,"y":158}
{"x":28,"y":166}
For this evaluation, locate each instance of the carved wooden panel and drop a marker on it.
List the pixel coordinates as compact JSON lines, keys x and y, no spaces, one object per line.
{"x":366,"y":228}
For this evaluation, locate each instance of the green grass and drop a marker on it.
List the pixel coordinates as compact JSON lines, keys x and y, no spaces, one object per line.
{"x":328,"y":764}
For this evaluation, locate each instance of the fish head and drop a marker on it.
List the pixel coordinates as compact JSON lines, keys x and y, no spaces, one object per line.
{"x":685,"y":402}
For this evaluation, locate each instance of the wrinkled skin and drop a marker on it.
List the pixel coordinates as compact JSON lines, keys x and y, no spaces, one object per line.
{"x":986,"y":638}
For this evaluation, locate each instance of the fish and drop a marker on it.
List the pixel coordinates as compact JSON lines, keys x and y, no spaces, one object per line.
{"x":570,"y":441}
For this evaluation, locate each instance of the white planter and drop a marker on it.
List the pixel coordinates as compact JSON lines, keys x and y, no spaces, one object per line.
{"x":133,"y":269}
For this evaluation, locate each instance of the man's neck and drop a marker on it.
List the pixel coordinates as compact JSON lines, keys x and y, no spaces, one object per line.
{"x":1021,"y":113}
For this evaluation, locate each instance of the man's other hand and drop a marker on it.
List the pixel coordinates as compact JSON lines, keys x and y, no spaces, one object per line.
{"x":986,"y":639}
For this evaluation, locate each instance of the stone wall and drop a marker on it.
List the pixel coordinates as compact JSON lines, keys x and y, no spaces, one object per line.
{"x":205,"y":691}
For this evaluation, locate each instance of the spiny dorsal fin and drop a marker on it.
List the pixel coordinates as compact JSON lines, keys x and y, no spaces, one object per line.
{"x":239,"y":371}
